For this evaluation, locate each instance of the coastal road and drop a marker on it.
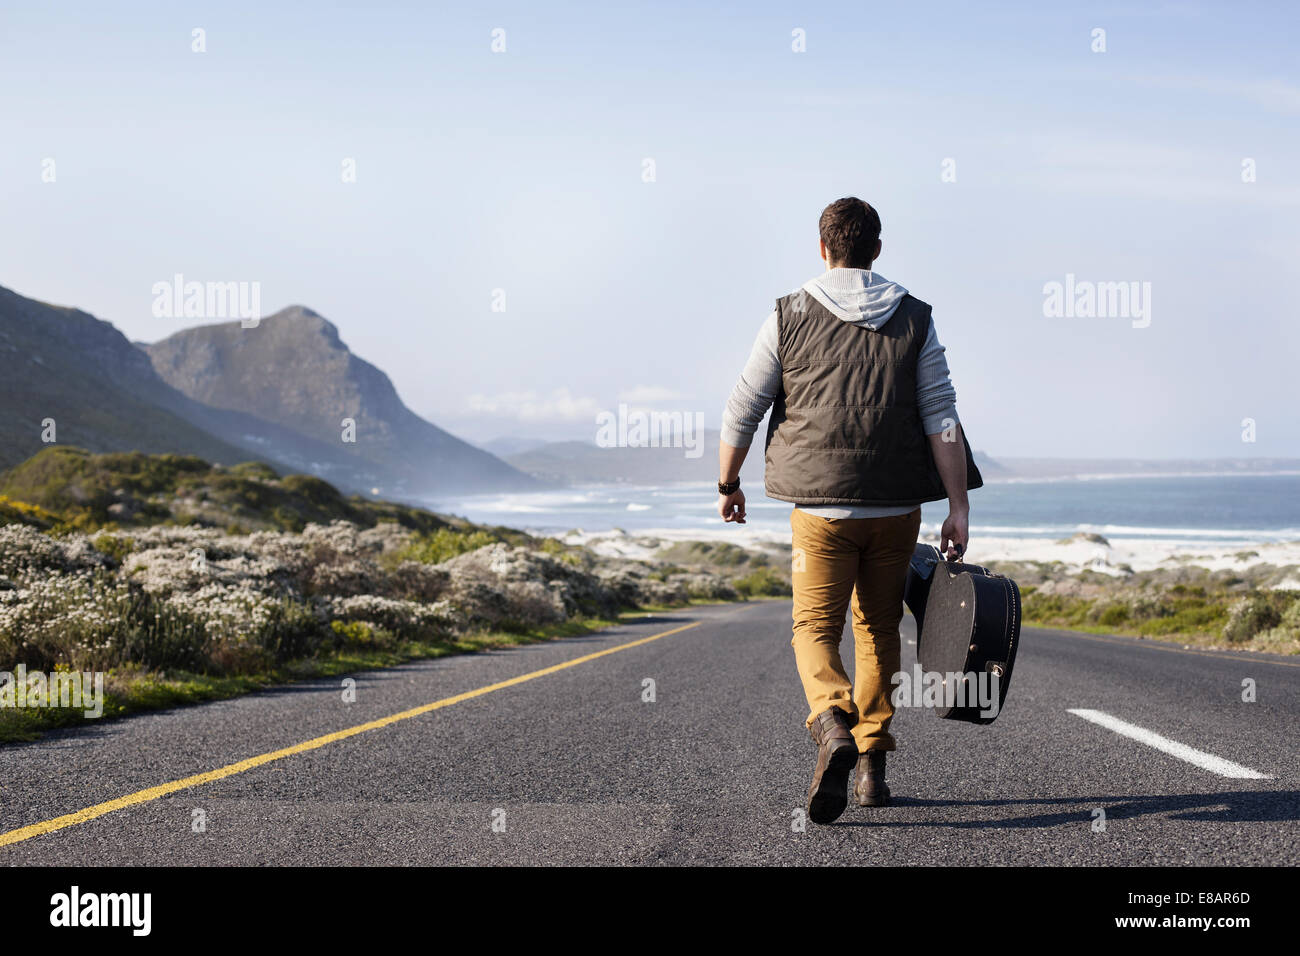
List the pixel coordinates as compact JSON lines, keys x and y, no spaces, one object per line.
{"x":549,"y":754}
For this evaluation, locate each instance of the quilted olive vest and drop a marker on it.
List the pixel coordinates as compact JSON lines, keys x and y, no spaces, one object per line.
{"x":845,"y":428}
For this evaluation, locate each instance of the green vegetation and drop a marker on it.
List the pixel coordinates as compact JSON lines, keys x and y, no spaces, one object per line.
{"x":762,"y":582}
{"x":21,"y":512}
{"x":1190,"y":606}
{"x":445,"y":543}
{"x":183,"y":581}
{"x":133,"y":689}
{"x":63,"y":489}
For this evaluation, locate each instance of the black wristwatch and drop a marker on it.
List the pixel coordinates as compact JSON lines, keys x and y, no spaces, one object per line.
{"x":728,"y":487}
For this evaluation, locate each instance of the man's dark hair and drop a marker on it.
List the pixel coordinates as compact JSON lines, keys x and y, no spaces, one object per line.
{"x":850,"y":228}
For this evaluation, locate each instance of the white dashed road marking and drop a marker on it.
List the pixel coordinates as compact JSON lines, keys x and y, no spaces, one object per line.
{"x":1224,"y":768}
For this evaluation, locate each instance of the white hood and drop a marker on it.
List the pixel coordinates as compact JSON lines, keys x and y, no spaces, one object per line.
{"x":857,"y":296}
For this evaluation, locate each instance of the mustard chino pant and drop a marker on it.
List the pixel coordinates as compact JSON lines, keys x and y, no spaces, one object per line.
{"x":831,"y":560}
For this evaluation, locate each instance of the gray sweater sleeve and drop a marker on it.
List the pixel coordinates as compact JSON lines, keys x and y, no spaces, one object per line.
{"x":760,"y":381}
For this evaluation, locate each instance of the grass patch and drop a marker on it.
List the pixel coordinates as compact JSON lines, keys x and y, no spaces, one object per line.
{"x":1202,"y":615}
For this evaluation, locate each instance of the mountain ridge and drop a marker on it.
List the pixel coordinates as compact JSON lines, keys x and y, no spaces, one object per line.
{"x":294,"y":370}
{"x":104,"y":393}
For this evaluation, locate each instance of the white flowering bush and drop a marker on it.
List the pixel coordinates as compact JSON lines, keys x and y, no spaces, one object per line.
{"x":411,"y":619}
{"x":92,"y":620}
{"x":203,"y":599}
{"x":23,"y":548}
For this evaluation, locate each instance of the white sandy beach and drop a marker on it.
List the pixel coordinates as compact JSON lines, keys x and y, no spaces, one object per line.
{"x":1119,"y":555}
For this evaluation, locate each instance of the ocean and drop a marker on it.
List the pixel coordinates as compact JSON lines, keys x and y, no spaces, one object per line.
{"x":1219,"y":508}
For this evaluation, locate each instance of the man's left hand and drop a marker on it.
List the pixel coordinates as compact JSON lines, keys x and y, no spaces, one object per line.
{"x":732,"y":507}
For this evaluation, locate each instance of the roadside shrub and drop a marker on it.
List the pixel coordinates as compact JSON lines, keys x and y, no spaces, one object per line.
{"x":1291,"y":616}
{"x":1287,"y":630}
{"x":1249,"y":616}
{"x":1109,"y":613}
{"x":356,"y":633}
{"x":408,"y":620}
{"x":438,"y":546}
{"x":290,"y":630}
{"x":706,"y":587}
{"x":1059,"y":609}
{"x":94,"y":621}
{"x":1188,"y":616}
{"x":1146,"y":608}
{"x":762,"y":582}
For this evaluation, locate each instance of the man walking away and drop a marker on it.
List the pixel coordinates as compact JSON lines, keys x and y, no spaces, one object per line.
{"x":864,"y":429}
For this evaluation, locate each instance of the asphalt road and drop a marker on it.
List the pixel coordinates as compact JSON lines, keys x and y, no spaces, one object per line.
{"x":573,"y":766}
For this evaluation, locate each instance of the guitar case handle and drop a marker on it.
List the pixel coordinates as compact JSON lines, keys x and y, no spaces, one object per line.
{"x":925,"y":562}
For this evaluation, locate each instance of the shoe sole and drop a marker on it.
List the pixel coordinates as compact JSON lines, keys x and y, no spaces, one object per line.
{"x":831,"y":797}
{"x":877,"y":801}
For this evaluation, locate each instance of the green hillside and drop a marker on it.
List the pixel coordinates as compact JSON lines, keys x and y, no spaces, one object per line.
{"x":73,"y":488}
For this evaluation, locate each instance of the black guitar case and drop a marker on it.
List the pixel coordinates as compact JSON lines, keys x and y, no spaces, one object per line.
{"x":967,"y":622}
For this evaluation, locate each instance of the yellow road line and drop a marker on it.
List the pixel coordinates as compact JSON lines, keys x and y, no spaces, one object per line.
{"x":162,"y":790}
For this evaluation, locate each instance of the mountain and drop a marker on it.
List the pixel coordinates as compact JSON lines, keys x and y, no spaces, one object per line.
{"x":105,"y":395}
{"x":511,"y":445}
{"x":100,"y":390}
{"x":294,"y":372}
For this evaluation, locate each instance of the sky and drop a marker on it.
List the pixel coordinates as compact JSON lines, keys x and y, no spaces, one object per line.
{"x":505,"y":256}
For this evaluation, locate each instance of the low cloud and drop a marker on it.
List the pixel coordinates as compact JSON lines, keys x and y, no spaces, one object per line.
{"x":559,"y":405}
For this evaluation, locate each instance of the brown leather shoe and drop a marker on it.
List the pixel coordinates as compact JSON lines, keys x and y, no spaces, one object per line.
{"x":871,"y":789}
{"x":836,"y":753}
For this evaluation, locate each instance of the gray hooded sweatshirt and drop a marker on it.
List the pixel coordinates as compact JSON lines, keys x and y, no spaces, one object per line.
{"x":860,"y":297}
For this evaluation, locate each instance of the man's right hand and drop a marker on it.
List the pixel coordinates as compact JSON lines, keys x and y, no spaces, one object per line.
{"x":955,"y":530}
